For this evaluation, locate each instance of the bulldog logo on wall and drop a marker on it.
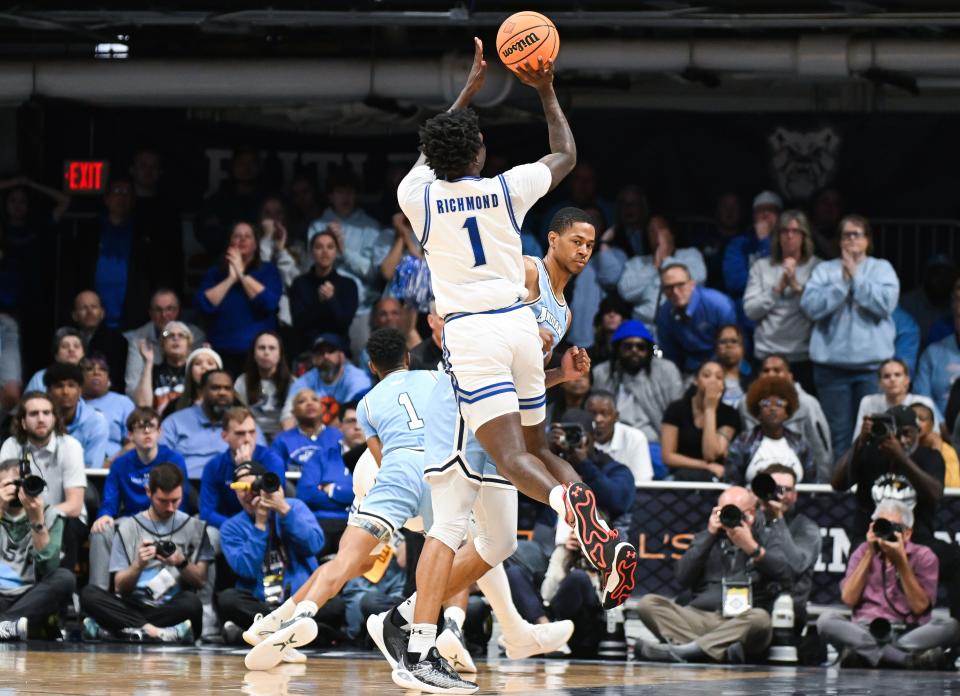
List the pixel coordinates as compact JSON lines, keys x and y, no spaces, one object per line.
{"x":803,"y":162}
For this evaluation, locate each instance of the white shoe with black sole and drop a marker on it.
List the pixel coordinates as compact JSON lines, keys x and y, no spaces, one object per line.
{"x":432,"y":675}
{"x":453,"y":648}
{"x":270,"y":652}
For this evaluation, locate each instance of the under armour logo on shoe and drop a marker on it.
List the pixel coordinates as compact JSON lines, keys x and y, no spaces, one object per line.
{"x":286,"y":643}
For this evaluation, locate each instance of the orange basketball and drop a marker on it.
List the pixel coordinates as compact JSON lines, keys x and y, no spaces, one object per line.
{"x":527,"y":35}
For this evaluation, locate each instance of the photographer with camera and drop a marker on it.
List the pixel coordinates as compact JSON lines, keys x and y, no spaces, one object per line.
{"x":271,"y":545}
{"x":217,"y":501}
{"x":891,"y":585}
{"x":887,"y":461}
{"x":32,"y":584}
{"x":572,"y":439}
{"x":158,"y":560}
{"x":735,"y":569}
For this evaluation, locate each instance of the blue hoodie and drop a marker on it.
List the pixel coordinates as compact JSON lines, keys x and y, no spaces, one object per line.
{"x":245,"y":547}
{"x":125,"y":487}
{"x":853,"y":320}
{"x":326,"y":466}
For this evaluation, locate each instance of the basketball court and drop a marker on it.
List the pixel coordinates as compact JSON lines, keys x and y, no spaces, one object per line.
{"x":112,"y":670}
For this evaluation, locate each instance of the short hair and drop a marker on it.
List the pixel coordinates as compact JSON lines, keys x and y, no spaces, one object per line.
{"x":675,"y":264}
{"x":602,"y":394}
{"x":8,"y":464}
{"x":778,"y":356}
{"x":894,"y":506}
{"x":62,"y":372}
{"x":236,"y":414}
{"x":861,"y":222}
{"x":17,"y":428}
{"x":780,"y":469}
{"x":386,"y":348}
{"x":165,"y":477}
{"x":787,"y":216}
{"x":206,"y":376}
{"x":772,"y":386}
{"x":450,"y":141}
{"x":352,"y":405}
{"x":901,"y":363}
{"x":565,"y":218}
{"x":723,"y":328}
{"x":164,"y":291}
{"x":142,"y":414}
{"x":61,"y":334}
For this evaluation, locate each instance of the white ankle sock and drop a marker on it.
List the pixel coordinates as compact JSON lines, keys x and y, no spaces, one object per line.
{"x":306,"y":607}
{"x":558,"y":501}
{"x":407,"y":607}
{"x":455,"y":614}
{"x":422,"y":638}
{"x":496,"y":588}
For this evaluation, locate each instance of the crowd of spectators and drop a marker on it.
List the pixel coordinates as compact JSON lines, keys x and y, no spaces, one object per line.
{"x":785,"y":348}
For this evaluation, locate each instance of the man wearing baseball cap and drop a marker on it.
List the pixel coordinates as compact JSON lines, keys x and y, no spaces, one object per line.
{"x":332,"y":375}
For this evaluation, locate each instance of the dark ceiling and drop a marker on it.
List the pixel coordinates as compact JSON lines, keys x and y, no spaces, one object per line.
{"x":391,"y":28}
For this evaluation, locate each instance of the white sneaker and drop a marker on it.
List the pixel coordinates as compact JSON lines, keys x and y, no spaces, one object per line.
{"x":264,"y":626}
{"x":293,"y":657}
{"x":537,"y":639}
{"x":453,"y":648}
{"x":13,"y":630}
{"x":270,"y":651}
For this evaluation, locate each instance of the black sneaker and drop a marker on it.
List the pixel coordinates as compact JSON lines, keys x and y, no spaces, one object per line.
{"x":434,"y":675}
{"x":388,"y":633}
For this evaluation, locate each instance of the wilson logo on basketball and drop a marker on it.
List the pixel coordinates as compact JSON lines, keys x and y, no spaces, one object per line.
{"x":527,"y":41}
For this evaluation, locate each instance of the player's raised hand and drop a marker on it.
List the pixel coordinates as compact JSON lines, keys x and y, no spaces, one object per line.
{"x":575,"y":363}
{"x":537,"y":75}
{"x":475,"y":80}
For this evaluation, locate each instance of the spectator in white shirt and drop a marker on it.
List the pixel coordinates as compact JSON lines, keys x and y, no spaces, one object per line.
{"x":626,"y":445}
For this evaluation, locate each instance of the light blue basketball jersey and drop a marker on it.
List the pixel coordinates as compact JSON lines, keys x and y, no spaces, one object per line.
{"x":551,"y":313}
{"x":393,"y":410}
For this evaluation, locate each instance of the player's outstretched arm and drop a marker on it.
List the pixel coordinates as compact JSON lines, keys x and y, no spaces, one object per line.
{"x":563,"y":148}
{"x":474,"y":83}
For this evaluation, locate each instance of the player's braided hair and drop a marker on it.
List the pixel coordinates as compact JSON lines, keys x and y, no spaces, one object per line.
{"x":386,"y":348}
{"x":450,"y":141}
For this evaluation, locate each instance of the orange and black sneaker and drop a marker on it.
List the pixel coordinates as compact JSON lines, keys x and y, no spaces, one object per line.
{"x":615,"y":559}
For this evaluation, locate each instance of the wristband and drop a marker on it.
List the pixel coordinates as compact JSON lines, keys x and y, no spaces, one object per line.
{"x":183,"y":564}
{"x":38,"y":527}
{"x":756,"y":552}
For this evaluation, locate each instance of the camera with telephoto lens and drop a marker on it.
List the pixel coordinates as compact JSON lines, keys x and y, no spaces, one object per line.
{"x":881,"y":629}
{"x":267,"y":482}
{"x":882,"y":425}
{"x":31,"y":484}
{"x":885,"y":529}
{"x":765,"y":488}
{"x":165,"y":548}
{"x":731,"y":516}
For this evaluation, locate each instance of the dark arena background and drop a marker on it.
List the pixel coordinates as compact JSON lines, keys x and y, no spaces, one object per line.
{"x":136,"y":139}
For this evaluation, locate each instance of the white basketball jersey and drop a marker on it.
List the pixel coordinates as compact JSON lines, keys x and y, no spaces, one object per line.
{"x":470,"y":231}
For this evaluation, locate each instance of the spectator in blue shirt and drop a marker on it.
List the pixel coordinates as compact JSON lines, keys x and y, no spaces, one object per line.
{"x":326,"y":486}
{"x":906,"y":343}
{"x":240,"y":296}
{"x":125,"y":490}
{"x":688,"y":322}
{"x":217,"y":501}
{"x":310,"y":435}
{"x":114,"y":407}
{"x":195,"y":432}
{"x":851,"y":302}
{"x":83,"y":422}
{"x":940,"y":365}
{"x":271,"y":544}
{"x":744,"y":249}
{"x":332,"y":375}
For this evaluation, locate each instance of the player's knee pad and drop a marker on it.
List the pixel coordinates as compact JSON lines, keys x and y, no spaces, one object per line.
{"x":453,"y":498}
{"x":495,"y":524}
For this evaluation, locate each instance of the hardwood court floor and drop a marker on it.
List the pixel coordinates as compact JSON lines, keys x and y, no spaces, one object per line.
{"x":73,"y":669}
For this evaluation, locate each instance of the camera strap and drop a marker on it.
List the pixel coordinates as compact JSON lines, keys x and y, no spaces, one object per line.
{"x":908,"y":617}
{"x":274,"y":566}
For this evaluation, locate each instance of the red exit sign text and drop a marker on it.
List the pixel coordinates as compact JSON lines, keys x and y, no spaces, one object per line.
{"x":85,"y":176}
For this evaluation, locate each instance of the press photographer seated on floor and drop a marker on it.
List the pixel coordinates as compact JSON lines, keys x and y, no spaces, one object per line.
{"x":158,"y":561}
{"x":33,"y":586}
{"x":891,"y":585}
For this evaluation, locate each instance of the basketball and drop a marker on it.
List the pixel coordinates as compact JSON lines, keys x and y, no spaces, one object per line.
{"x":527,"y":35}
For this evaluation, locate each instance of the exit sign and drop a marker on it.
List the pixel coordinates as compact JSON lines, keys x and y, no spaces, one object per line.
{"x":85,"y":176}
